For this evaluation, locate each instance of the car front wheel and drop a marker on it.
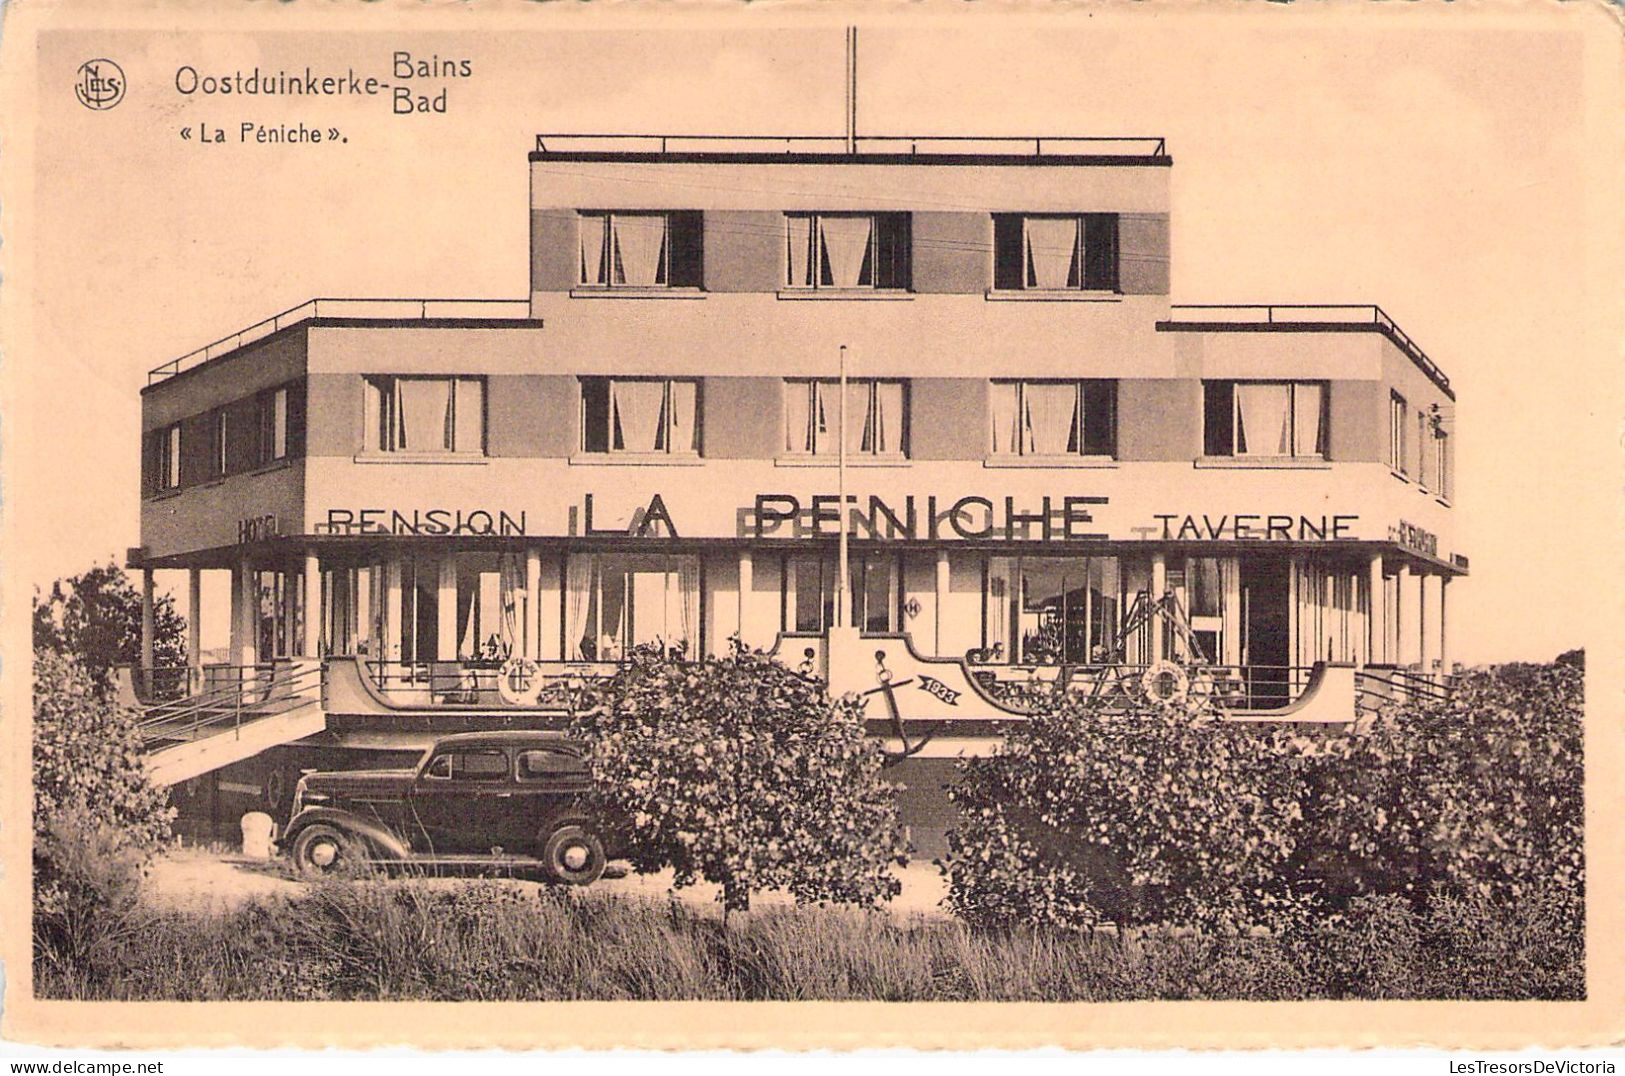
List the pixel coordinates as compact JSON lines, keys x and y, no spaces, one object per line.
{"x":573,"y":854}
{"x":322,"y":849}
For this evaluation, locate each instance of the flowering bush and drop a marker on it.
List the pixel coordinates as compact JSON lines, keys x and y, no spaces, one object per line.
{"x":740,"y":772}
{"x":1140,"y":815}
{"x":1481,"y":794}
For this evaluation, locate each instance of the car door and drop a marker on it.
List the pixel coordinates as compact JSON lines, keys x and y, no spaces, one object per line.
{"x":550,"y":780}
{"x":459,"y":800}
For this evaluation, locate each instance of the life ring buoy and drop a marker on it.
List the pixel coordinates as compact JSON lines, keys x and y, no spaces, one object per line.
{"x":520,"y":682}
{"x":1165,"y":683}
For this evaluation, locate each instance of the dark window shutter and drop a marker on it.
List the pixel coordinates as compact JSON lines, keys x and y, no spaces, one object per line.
{"x":296,"y":419}
{"x":1218,"y":418}
{"x":242,"y":435}
{"x":595,"y":414}
{"x":687,"y":237}
{"x":1007,"y":268}
{"x":197,"y":438}
{"x":1100,"y":418}
{"x":1100,"y":252}
{"x":149,"y":461}
{"x":892,"y":244}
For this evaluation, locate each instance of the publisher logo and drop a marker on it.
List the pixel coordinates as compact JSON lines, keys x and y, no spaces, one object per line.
{"x":100,"y":85}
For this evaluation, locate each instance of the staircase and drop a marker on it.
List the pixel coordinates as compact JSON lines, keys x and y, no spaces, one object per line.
{"x":1377,"y":686}
{"x":192,"y":736}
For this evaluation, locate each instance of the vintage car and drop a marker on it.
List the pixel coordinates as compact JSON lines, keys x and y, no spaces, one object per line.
{"x":475,"y":800}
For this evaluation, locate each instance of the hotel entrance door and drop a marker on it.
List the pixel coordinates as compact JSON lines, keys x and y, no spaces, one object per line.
{"x":1266,"y":630}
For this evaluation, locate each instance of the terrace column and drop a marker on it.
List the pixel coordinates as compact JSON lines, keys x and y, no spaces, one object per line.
{"x":389,"y":647}
{"x":194,"y":630}
{"x":746,"y":568}
{"x":1444,"y":648}
{"x":310,"y":643}
{"x":1159,"y":587}
{"x":530,"y":635}
{"x":247,"y":610}
{"x":943,"y":584}
{"x":1376,"y":620}
{"x":446,"y":610}
{"x":1424,"y":651}
{"x":1406,"y":633}
{"x":149,"y":629}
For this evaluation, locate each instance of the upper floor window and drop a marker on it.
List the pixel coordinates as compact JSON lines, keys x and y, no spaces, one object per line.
{"x":641,"y":250}
{"x":272,"y":410}
{"x":218,"y":461}
{"x":1054,"y":418}
{"x":1049,"y":252}
{"x":166,"y":472}
{"x":876,"y":414}
{"x":847,"y":250}
{"x":640,"y":415}
{"x":1398,"y":441}
{"x":1264,"y":418}
{"x":428,"y":415}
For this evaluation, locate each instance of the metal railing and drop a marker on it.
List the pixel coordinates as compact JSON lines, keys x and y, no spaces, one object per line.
{"x":380,"y":309}
{"x":1229,"y":687}
{"x":257,"y":694}
{"x":1375,"y":688}
{"x":1289,"y":314}
{"x":475,"y":682}
{"x":836,"y":145}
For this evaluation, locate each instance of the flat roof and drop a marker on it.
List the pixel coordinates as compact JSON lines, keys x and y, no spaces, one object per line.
{"x":1302,"y":318}
{"x":1022,"y":150}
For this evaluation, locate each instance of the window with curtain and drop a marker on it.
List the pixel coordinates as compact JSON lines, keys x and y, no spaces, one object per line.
{"x":1054,"y":418}
{"x":1398,"y":459}
{"x":847,"y":250}
{"x":876,"y":412}
{"x":641,"y":250}
{"x":217,"y":443}
{"x":273,"y":425}
{"x":1055,"y":252}
{"x":426,"y":415}
{"x":872,"y":592}
{"x":167,"y":473}
{"x":1272,"y":419}
{"x":637,"y":416}
{"x":614,"y":603}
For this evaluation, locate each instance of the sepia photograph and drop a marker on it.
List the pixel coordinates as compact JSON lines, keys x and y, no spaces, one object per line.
{"x":1077,"y":507}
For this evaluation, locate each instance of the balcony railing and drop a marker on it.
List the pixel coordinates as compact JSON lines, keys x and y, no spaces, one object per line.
{"x":1288,"y":315}
{"x":1024,"y":688}
{"x":1060,"y":146}
{"x":368,"y":309}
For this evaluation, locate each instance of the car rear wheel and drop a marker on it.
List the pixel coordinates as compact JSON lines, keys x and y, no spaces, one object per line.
{"x":573,"y":854}
{"x":322,"y":849}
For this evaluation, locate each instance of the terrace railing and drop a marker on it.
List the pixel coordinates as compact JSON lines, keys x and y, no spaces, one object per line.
{"x":836,"y":145}
{"x":1228,"y":687}
{"x":1289,"y":314}
{"x":370,"y":309}
{"x":475,"y":682}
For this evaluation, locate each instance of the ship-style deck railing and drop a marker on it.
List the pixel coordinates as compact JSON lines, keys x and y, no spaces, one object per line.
{"x":368,"y":309}
{"x":1289,"y":315}
{"x":1229,"y":687}
{"x":837,"y":145}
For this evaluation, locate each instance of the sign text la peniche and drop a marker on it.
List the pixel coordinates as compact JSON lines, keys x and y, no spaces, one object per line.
{"x":910,"y":518}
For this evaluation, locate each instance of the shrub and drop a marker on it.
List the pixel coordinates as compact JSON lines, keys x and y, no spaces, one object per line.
{"x":1141,"y":814}
{"x":1481,"y":794}
{"x":740,"y":772}
{"x":96,"y":617}
{"x":90,"y":786}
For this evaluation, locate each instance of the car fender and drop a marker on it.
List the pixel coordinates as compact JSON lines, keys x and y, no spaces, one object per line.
{"x":384,"y":843}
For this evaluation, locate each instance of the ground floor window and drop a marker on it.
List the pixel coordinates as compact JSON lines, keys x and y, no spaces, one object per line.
{"x":809,"y":592}
{"x":614,"y":602}
{"x":280,"y":614}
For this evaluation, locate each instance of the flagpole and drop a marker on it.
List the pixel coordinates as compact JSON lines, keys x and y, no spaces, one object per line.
{"x":840,"y":482}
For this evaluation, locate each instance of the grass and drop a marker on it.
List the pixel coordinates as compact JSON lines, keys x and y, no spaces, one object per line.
{"x":486,"y":940}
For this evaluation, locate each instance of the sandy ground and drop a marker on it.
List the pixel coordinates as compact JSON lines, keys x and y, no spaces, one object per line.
{"x":211,"y":880}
